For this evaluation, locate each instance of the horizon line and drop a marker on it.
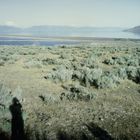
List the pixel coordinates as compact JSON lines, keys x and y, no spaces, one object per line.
{"x":74,"y":26}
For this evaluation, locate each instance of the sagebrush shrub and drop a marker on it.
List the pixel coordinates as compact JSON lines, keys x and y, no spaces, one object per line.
{"x":60,"y":74}
{"x":133,"y":73}
{"x":76,"y":92}
{"x":107,"y":81}
{"x":2,"y":62}
{"x":33,"y":64}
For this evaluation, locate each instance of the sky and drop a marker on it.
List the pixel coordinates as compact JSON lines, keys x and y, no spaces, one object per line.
{"x":97,"y":13}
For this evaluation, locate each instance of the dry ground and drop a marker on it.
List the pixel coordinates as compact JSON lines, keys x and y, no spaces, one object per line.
{"x":112,"y":113}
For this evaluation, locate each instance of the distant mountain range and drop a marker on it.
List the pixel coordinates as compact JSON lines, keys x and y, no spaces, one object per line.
{"x":135,"y":30}
{"x":45,"y":30}
{"x":5,"y":30}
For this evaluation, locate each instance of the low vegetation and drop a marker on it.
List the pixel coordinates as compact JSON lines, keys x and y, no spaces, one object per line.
{"x":90,"y":91}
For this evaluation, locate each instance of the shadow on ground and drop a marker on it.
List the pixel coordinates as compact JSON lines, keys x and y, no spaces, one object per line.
{"x":17,"y":129}
{"x":17,"y":123}
{"x":4,"y":135}
{"x":96,"y":133}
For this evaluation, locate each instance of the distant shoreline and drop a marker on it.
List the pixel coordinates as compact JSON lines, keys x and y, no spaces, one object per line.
{"x":68,"y":38}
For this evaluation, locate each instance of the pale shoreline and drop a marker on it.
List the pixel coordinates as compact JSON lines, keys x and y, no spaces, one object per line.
{"x":77,"y":38}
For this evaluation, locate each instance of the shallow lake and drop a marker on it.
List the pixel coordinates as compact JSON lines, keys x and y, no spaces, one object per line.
{"x":24,"y":41}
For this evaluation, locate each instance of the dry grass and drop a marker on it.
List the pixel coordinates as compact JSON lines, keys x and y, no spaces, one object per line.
{"x":113,"y":112}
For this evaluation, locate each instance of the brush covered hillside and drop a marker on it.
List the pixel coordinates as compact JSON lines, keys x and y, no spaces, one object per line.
{"x":82,"y":92}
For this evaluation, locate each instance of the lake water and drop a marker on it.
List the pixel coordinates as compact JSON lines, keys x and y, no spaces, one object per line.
{"x":19,"y":41}
{"x":46,"y":42}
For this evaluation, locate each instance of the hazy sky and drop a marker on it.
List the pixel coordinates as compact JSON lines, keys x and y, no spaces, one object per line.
{"x":23,"y":13}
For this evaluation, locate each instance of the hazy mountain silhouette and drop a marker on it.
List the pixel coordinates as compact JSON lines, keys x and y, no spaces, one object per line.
{"x":5,"y":30}
{"x":51,"y":30}
{"x":134,"y":30}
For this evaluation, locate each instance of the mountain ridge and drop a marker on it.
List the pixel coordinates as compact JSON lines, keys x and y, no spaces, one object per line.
{"x":135,"y":30}
{"x":53,"y":30}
